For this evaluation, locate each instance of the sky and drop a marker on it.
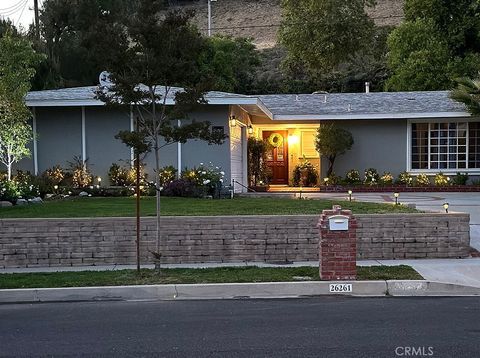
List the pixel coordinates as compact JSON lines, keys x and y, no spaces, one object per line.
{"x":19,"y":11}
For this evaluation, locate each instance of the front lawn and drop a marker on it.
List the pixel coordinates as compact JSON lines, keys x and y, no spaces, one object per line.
{"x":180,"y":276}
{"x":125,"y":206}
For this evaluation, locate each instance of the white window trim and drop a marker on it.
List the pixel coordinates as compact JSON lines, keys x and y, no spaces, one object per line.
{"x":474,"y":171}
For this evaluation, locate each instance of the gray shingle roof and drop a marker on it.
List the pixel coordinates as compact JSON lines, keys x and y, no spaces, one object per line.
{"x":304,"y":106}
{"x":88,"y":93}
{"x":355,"y":104}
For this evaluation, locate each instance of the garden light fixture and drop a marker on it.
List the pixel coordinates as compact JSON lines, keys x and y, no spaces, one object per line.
{"x":396,"y":195}
{"x":445,"y":206}
{"x":350,"y":195}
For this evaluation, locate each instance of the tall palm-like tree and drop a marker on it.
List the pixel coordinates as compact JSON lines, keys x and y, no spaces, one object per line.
{"x":468,"y":93}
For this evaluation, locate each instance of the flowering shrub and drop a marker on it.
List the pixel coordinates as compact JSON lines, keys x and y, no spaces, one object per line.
{"x":460,"y":179}
{"x":26,"y":186}
{"x":167,"y":175}
{"x":81,"y":176}
{"x":208,"y":177}
{"x":353,"y":177}
{"x":9,"y":191}
{"x":55,"y":175}
{"x":22,"y":186}
{"x":125,"y":175}
{"x":422,"y":180}
{"x":386,"y":178}
{"x":441,"y":179}
{"x":333,"y":179}
{"x":371,"y":176}
{"x":405,"y":178}
{"x":305,"y":174}
{"x":117,"y":175}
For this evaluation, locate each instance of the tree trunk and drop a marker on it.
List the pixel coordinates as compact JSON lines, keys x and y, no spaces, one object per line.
{"x":157,"y":179}
{"x":331,"y":161}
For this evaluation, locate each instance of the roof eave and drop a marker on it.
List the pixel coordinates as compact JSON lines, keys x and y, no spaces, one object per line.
{"x":369,"y":116}
{"x":93,"y":102}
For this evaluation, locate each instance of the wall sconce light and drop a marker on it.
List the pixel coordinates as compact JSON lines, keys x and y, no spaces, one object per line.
{"x":250,"y":129}
{"x":396,"y":195}
{"x":233,"y":121}
{"x":350,"y":195}
{"x":445,"y":206}
{"x":292,"y":139}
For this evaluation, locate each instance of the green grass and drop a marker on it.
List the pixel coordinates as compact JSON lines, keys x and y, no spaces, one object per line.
{"x":125,"y":206}
{"x":179,"y":276}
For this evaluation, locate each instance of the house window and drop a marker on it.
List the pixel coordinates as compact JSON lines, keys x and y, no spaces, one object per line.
{"x":308,"y":144}
{"x":445,"y":146}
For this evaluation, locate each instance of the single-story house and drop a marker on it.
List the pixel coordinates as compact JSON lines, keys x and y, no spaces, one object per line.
{"x":418,"y":132}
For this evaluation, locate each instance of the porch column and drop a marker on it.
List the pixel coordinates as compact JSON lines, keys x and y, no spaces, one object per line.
{"x":35,"y":146}
{"x":179,"y":153}
{"x":84,"y":137}
{"x":132,"y":129}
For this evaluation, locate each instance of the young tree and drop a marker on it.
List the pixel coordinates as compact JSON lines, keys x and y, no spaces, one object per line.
{"x":332,"y":141}
{"x":146,"y":59}
{"x":17,"y":61}
{"x":15,"y":133}
{"x":438,"y":42}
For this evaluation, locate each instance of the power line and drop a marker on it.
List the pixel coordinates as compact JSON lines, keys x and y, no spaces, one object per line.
{"x":10,"y":7}
{"x":24,"y":6}
{"x":13,"y":11}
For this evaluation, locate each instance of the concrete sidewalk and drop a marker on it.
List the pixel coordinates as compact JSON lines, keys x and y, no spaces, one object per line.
{"x":464,"y":272}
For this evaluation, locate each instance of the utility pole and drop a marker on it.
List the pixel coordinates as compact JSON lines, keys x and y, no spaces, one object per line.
{"x":210,"y":17}
{"x":37,"y":21}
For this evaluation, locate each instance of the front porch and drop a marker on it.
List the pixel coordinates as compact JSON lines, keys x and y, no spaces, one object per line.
{"x":290,"y":144}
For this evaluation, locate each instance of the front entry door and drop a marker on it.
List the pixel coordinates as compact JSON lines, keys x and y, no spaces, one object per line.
{"x":277,"y":156}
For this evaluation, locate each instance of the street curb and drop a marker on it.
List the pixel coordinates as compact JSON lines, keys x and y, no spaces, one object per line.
{"x":235,"y":291}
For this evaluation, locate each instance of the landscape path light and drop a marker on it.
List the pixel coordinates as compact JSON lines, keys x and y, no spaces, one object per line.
{"x":396,"y":195}
{"x":350,"y":195}
{"x":445,"y":206}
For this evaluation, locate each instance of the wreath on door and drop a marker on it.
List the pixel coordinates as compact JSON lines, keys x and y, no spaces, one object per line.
{"x":275,"y":140}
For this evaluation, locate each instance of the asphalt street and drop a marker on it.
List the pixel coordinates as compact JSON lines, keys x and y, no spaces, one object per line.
{"x":314,"y":327}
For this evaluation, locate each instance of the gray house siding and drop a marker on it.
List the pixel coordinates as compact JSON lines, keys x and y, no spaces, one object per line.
{"x":195,"y":152}
{"x":379,"y":144}
{"x":102,"y":149}
{"x":59,"y":136}
{"x":27,"y":163}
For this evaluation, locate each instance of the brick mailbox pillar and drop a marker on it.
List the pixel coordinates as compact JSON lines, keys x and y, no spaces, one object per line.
{"x":338,"y":245}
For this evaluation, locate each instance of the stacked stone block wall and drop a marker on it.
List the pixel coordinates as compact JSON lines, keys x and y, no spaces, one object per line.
{"x":87,"y":241}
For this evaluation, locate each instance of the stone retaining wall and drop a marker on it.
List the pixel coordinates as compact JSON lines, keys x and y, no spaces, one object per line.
{"x":75,"y":242}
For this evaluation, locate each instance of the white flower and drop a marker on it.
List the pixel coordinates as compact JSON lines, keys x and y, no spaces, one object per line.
{"x":205,"y":182}
{"x":204,"y":173}
{"x":223,"y":173}
{"x":217,"y":168}
{"x":221,"y":180}
{"x":201,"y":163}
